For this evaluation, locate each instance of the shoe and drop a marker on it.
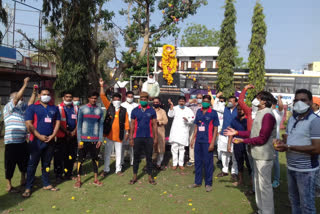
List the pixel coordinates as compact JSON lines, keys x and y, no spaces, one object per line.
{"x":181,"y":167}
{"x":119,"y":173}
{"x":194,"y":186}
{"x":234,"y":177}
{"x":275,"y":184}
{"x":208,"y":188}
{"x":219,"y":164}
{"x":174,"y":168}
{"x":189,"y":164}
{"x":222,"y":174}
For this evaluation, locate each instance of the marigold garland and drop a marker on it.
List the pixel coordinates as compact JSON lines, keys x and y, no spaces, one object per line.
{"x":169,"y":62}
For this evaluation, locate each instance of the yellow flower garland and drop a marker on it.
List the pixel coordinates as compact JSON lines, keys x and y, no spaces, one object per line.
{"x":169,"y":62}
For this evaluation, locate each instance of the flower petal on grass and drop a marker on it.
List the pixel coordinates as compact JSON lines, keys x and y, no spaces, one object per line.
{"x":129,"y":199}
{"x":72,"y":198}
{"x":47,"y":169}
{"x":190,"y":204}
{"x":53,"y":207}
{"x":193,"y":209}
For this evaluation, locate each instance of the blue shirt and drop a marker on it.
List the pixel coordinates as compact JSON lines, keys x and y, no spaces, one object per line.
{"x":143,"y":121}
{"x":205,"y":123}
{"x":71,"y":122}
{"x":239,"y":125}
{"x":43,"y":118}
{"x":228,"y":117}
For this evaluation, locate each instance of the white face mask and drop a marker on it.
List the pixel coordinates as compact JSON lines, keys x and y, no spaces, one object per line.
{"x":300,"y":107}
{"x":76,"y":103}
{"x":129,"y":100}
{"x":67,"y":103}
{"x":255,"y":102}
{"x":199,"y":101}
{"x":230,"y":105}
{"x":116,"y":104}
{"x":45,"y":99}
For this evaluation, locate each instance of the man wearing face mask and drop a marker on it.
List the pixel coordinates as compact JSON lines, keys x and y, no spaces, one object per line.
{"x":302,"y":146}
{"x":194,"y":105}
{"x":229,"y":114}
{"x":260,"y":140}
{"x":66,"y":144}
{"x":116,"y":129}
{"x":129,"y":105}
{"x":151,"y":86}
{"x":162,"y":120}
{"x":183,"y":118}
{"x":43,"y":122}
{"x":316,"y":105}
{"x":76,"y":101}
{"x":16,"y":147}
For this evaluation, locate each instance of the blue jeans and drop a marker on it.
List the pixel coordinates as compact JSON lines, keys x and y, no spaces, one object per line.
{"x":276,"y":168}
{"x":39,"y":150}
{"x":301,"y":187}
{"x":203,"y":159}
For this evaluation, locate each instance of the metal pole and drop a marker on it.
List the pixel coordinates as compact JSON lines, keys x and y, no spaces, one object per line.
{"x":14,"y":22}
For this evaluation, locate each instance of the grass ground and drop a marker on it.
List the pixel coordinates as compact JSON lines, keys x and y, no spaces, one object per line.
{"x":171,"y":195}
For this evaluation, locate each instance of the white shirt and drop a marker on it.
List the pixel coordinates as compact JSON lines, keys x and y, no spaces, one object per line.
{"x":278,"y":116}
{"x":129,"y":107}
{"x":180,"y":128}
{"x":317,"y":112}
{"x":219,"y":108}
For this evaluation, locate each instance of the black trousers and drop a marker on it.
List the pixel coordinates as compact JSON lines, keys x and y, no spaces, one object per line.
{"x":70,"y":154}
{"x":58,"y":156}
{"x":15,"y":154}
{"x":142,"y":145}
{"x":88,"y":147}
{"x":241,"y":156}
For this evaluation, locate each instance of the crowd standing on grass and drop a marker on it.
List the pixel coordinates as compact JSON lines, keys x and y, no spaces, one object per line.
{"x":244,"y":136}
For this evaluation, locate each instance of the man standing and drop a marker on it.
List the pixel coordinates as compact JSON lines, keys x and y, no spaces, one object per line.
{"x":116,"y":129}
{"x":302,"y":146}
{"x":89,"y":136}
{"x":316,"y":105}
{"x":76,"y":101}
{"x":260,"y":140}
{"x":194,"y":105}
{"x":142,"y":135}
{"x":205,"y":133}
{"x":229,"y":114}
{"x":129,"y":105}
{"x":16,"y":147}
{"x":151,"y":86}
{"x":162,"y":120}
{"x":66,"y":144}
{"x":43,"y":122}
{"x":183,"y":118}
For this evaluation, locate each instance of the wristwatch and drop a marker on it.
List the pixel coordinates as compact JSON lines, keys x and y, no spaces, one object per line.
{"x":288,"y":146}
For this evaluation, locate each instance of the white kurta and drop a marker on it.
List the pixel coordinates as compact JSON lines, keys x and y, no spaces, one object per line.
{"x":179,"y":132}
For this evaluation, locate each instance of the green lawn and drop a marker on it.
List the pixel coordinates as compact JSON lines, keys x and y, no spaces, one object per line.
{"x":171,"y":195}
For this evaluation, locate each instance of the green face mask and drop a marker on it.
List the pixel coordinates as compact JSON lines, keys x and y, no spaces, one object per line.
{"x":143,"y":103}
{"x":205,"y":105}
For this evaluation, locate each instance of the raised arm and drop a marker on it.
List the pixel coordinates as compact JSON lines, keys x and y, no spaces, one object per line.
{"x":171,"y":110}
{"x":242,"y":96}
{"x":218,"y":106}
{"x":280,"y":103}
{"x":19,"y":94}
{"x":103,"y":96}
{"x":33,"y":96}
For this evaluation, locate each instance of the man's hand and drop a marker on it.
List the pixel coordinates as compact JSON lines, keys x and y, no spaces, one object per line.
{"x":230,"y":132}
{"x":237,"y":140}
{"x":249,"y":86}
{"x":50,"y":138}
{"x":170,"y":102}
{"x":219,"y":94}
{"x":279,"y":145}
{"x":126,"y":137}
{"x":98,"y":144}
{"x":131,"y":142}
{"x":211,"y":147}
{"x":229,"y":148}
{"x":101,"y":82}
{"x":26,"y":80}
{"x":43,"y":138}
{"x":73,"y":133}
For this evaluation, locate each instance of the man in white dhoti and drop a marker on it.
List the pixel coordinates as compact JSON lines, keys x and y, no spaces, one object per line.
{"x":179,"y":134}
{"x":151,"y":86}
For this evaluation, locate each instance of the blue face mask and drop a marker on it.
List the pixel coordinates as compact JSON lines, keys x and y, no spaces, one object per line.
{"x":182,"y":107}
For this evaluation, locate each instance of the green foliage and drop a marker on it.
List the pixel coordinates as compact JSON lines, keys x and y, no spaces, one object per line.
{"x":197,"y":35}
{"x":227,"y":45}
{"x":257,"y":54}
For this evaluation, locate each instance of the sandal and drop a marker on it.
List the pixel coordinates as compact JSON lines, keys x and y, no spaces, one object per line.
{"x":77,"y":184}
{"x":13,"y":190}
{"x":97,"y":183}
{"x":132,"y":182}
{"x":51,"y":188}
{"x":152,"y":182}
{"x":103,"y":174}
{"x":26,"y":194}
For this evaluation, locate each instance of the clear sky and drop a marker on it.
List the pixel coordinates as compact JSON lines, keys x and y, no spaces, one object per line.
{"x":293,"y":26}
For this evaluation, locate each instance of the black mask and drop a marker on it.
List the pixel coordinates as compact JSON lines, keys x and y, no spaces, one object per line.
{"x":156,"y":105}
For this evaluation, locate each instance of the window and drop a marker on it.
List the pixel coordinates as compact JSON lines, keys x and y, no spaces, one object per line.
{"x":184,"y":65}
{"x":192,"y":58}
{"x":209,"y":64}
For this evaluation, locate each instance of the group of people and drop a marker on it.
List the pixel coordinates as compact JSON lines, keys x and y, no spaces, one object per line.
{"x":243,"y":135}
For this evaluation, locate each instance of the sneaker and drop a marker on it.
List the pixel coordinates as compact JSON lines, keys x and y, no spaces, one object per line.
{"x":189,"y":164}
{"x":275,"y":184}
{"x":208,"y":188}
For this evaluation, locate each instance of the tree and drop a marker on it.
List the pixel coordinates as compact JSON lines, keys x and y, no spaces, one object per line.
{"x":197,"y":35}
{"x":227,"y":43}
{"x":3,"y":19}
{"x":257,"y":55}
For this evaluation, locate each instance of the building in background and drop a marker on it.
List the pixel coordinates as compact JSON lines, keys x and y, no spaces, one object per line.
{"x":314,"y":66}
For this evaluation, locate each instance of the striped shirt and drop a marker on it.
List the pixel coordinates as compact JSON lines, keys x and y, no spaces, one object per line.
{"x":300,"y":133}
{"x":15,"y":127}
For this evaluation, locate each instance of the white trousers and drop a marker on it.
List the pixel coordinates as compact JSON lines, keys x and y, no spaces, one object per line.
{"x":225,"y":158}
{"x":107,"y":153}
{"x":177,"y":151}
{"x":124,"y":145}
{"x":263,"y":186}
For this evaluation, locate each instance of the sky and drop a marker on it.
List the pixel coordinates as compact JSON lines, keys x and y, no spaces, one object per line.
{"x":293,"y":27}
